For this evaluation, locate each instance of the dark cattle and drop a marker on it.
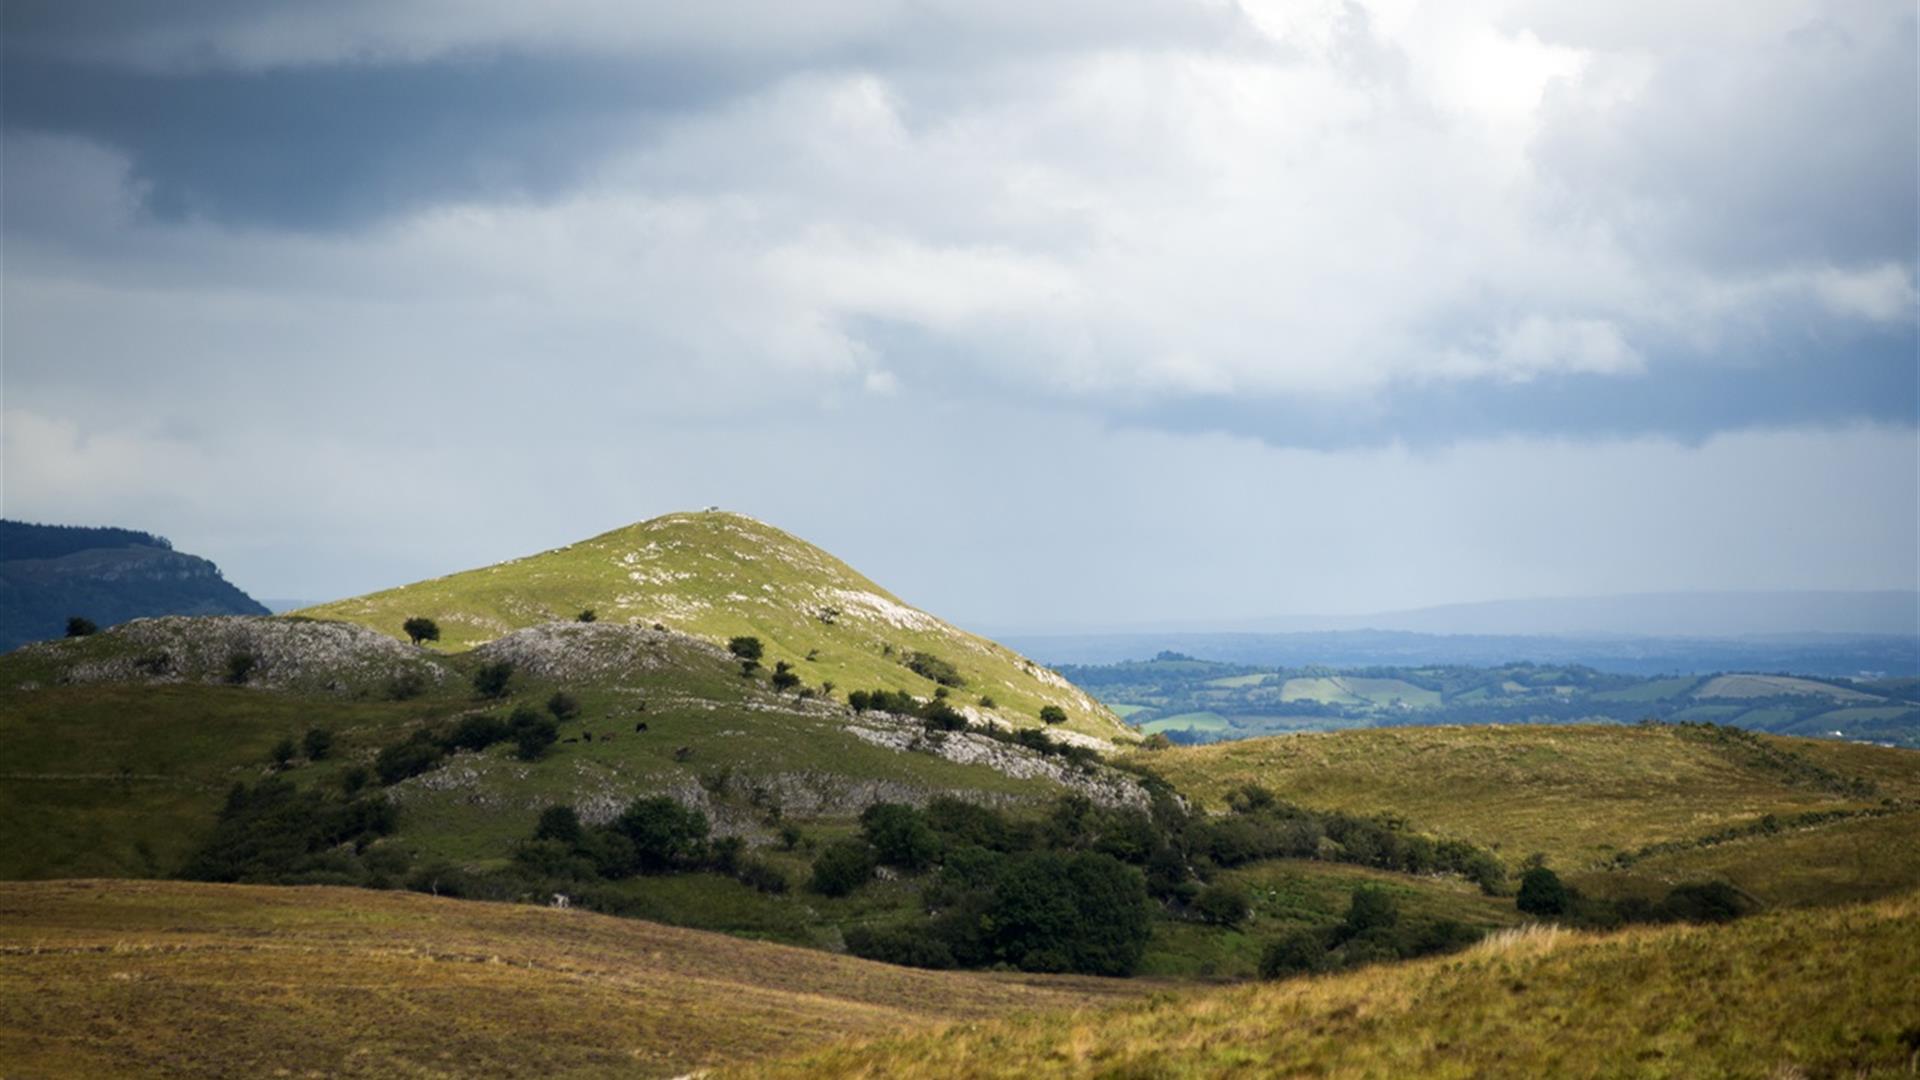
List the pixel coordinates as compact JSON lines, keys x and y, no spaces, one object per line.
{"x":569,"y":740}
{"x":587,"y":736}
{"x":641,"y":726}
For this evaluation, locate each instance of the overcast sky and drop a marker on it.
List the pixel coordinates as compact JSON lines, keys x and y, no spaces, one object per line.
{"x":1054,"y":314}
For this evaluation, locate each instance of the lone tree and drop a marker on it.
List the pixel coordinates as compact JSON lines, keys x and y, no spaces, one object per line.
{"x":746,"y":647}
{"x":1053,"y":714}
{"x":783,"y":677}
{"x":420,"y":628}
{"x":80,"y":626}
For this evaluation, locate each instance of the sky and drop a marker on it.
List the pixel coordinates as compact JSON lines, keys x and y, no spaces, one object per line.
{"x":1062,"y":315}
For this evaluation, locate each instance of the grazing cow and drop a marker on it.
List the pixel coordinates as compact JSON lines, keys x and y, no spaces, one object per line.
{"x":641,"y":726}
{"x":586,"y":736}
{"x":562,"y":901}
{"x":569,"y":740}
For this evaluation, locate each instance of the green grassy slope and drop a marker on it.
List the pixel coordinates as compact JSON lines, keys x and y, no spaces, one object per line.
{"x":1799,"y":993}
{"x":114,"y":772}
{"x":1581,"y":794}
{"x":169,"y":979}
{"x":716,"y":575}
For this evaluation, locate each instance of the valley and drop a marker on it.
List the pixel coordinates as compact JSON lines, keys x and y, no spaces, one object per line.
{"x":641,"y":781}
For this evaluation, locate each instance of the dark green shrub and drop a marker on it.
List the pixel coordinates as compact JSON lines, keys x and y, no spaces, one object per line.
{"x":1370,"y":908}
{"x":476,"y":733}
{"x":1299,"y":952}
{"x":1052,"y":714}
{"x":1543,"y":893}
{"x":587,"y":615}
{"x":783,"y":677}
{"x":420,"y":628}
{"x":746,"y":647}
{"x":841,"y":867}
{"x":318,"y":743}
{"x":903,"y":945}
{"x":1085,"y":913}
{"x":531,"y":733}
{"x":563,"y":706}
{"x":762,"y":876}
{"x":1708,"y":901}
{"x":1222,"y":905}
{"x":558,"y":823}
{"x":928,"y":666}
{"x":492,"y":680}
{"x":283,"y":752}
{"x":900,"y":836}
{"x":664,"y":833}
{"x":81,"y":626}
{"x":407,"y":759}
{"x":240,"y":667}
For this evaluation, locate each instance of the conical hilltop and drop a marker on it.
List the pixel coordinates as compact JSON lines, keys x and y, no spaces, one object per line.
{"x":717,"y":575}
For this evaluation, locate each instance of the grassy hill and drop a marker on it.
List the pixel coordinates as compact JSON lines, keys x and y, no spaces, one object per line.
{"x":1583,"y":795}
{"x":124,"y":744}
{"x":1799,"y":993}
{"x":715,"y":575}
{"x":165,"y":979}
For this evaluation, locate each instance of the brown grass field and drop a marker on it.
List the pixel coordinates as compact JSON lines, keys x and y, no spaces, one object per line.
{"x":1576,"y":793}
{"x":126,"y":978}
{"x":1833,"y":992}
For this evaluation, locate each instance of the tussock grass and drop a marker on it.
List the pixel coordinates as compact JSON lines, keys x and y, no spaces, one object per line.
{"x":1814,"y":993}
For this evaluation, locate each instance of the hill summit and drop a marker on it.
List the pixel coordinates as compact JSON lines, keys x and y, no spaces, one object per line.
{"x":717,"y":575}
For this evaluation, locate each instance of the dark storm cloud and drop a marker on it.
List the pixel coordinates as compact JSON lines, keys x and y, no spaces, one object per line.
{"x":338,"y":146}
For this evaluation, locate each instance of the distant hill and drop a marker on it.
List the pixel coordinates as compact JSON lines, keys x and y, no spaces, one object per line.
{"x":51,"y":572}
{"x":716,"y":575}
{"x":1834,"y":655}
{"x":1191,"y":700}
{"x":1670,"y":615}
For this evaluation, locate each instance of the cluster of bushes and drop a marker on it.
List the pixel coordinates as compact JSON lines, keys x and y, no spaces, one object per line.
{"x":276,"y":832}
{"x":651,"y":836}
{"x":1542,"y":893}
{"x":529,"y":732}
{"x":928,"y":666}
{"x":1373,"y":931}
{"x":1073,"y":891}
{"x":940,"y":716}
{"x":1261,"y":826}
